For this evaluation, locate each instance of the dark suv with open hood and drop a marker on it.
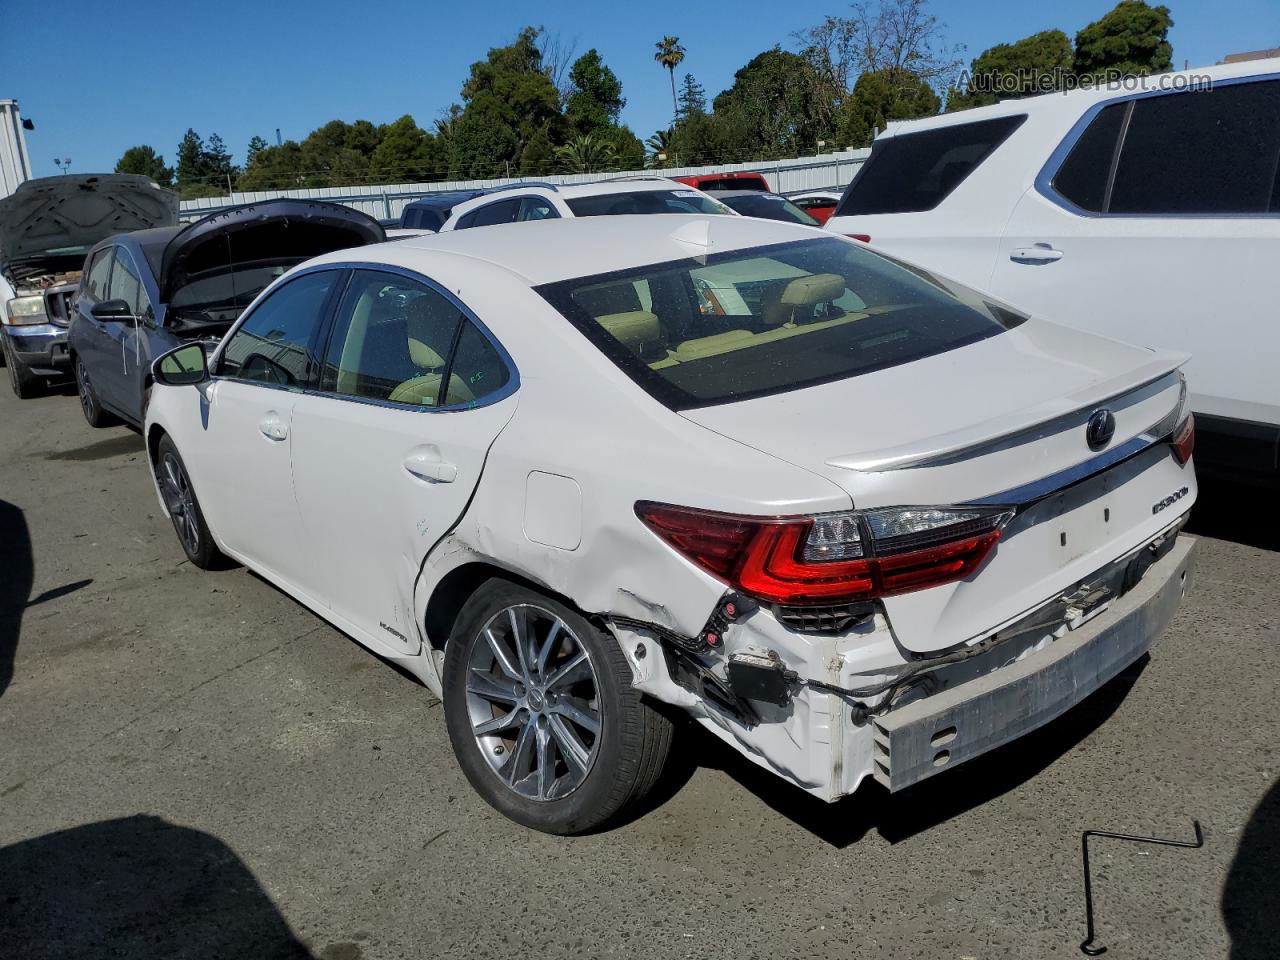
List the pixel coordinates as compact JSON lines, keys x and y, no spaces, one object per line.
{"x":46,"y":227}
{"x":147,"y":292}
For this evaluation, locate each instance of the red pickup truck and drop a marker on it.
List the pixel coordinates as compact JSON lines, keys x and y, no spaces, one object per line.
{"x":726,"y":181}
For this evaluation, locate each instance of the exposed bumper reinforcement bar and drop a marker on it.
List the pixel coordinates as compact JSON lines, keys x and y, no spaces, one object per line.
{"x":928,"y":736}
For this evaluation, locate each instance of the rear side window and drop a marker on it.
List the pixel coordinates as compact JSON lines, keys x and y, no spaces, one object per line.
{"x":504,"y":211}
{"x":273,"y":345}
{"x":1202,"y":152}
{"x":95,"y":283}
{"x":537,"y":208}
{"x":126,"y":285}
{"x":769,"y":319}
{"x":916,"y":171}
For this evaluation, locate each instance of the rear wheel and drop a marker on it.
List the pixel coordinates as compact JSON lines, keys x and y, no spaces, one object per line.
{"x":25,"y":384}
{"x":89,"y":404}
{"x":184,"y":508}
{"x":542,"y":714}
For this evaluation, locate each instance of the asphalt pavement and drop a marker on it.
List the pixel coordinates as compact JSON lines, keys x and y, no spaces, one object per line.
{"x":194,"y":765}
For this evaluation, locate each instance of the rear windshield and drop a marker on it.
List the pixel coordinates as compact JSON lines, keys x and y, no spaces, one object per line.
{"x":769,"y":206}
{"x":769,"y":319}
{"x":916,"y":171}
{"x":645,"y":201}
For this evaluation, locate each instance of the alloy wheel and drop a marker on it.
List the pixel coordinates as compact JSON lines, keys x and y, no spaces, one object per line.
{"x":533,"y":702}
{"x":83,"y":388}
{"x":181,"y":502}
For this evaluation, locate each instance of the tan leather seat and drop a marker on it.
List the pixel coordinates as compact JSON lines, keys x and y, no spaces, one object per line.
{"x":425,"y":391}
{"x":803,"y":292}
{"x":638,"y":330}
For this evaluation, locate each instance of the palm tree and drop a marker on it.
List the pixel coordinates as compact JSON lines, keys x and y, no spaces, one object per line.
{"x":670,"y":54}
{"x":587,"y":153}
{"x":659,"y":149}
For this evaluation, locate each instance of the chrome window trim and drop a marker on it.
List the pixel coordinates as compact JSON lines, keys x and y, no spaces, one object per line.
{"x":1044,"y":179}
{"x":506,"y":390}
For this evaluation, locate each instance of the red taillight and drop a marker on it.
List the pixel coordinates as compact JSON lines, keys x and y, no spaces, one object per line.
{"x":766,"y":556}
{"x":865,"y":238}
{"x":1184,"y":440}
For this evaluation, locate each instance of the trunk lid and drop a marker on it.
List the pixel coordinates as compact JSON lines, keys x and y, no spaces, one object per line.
{"x":1003,"y":420}
{"x":258,"y":238}
{"x":50,"y":223}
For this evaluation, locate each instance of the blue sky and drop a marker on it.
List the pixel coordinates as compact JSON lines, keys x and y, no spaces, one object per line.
{"x":96,"y":84}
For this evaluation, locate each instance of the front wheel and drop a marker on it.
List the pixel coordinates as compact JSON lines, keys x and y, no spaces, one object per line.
{"x":89,"y":405}
{"x":25,"y":384}
{"x":184,"y":509}
{"x":542,"y":715}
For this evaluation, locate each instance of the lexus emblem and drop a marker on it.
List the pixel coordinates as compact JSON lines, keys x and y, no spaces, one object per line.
{"x":1100,"y":428}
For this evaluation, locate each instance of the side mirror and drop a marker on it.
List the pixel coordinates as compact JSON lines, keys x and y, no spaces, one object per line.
{"x":182,"y":366}
{"x":113,"y":311}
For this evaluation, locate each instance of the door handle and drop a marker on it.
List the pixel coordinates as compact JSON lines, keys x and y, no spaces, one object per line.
{"x":433,"y":469}
{"x":1037,"y":254}
{"x":272,"y":427}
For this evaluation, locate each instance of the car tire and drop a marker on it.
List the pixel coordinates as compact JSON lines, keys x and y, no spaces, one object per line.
{"x":521,"y":726}
{"x":89,"y":403}
{"x":184,"y":509}
{"x":25,"y":384}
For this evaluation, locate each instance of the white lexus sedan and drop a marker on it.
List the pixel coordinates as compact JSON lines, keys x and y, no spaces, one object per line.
{"x":584,"y":476}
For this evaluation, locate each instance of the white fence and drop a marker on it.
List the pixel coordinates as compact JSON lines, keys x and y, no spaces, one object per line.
{"x":825,"y":171}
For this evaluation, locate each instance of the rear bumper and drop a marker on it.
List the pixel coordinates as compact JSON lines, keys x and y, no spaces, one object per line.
{"x":41,"y":348}
{"x":916,"y":741}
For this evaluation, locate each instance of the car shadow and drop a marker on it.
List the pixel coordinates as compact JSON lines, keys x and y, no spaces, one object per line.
{"x":902,"y":815}
{"x":17,"y":571}
{"x":1251,"y":894}
{"x":136,"y":887}
{"x":1230,"y":509}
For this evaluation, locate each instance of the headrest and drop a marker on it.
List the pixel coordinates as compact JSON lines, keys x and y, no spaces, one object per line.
{"x":637,"y":329}
{"x":812,"y":290}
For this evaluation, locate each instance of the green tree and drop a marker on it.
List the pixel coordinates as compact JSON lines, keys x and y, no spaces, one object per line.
{"x":595,"y":95}
{"x":877,"y":98}
{"x":774,"y":107}
{"x":217,"y":162}
{"x":192,"y":169}
{"x":661,"y":153}
{"x":699,"y":138}
{"x":670,"y":55}
{"x":144,"y":160}
{"x":508,"y":101}
{"x":256,"y":146}
{"x":692,"y":99}
{"x":586,"y":153}
{"x":274,"y":168}
{"x":405,"y":153}
{"x":1131,"y":40}
{"x":1035,"y":64}
{"x":628,"y":150}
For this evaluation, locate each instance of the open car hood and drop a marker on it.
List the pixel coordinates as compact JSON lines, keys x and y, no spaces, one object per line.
{"x":54,"y":220}
{"x":279,"y":232}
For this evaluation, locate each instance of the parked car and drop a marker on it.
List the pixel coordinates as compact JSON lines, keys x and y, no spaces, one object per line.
{"x":46,"y":227}
{"x":518,"y":202}
{"x":1146,"y":213}
{"x":856,"y":519}
{"x":758,"y":203}
{"x":145,"y":292}
{"x":430,"y":212}
{"x":737,"y":180}
{"x":819,"y":204}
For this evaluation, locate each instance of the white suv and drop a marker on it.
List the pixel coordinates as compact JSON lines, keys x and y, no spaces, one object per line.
{"x":1147,"y":211}
{"x":549,"y":201}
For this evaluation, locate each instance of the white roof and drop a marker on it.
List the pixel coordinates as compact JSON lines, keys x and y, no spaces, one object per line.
{"x":544,"y":251}
{"x":1075,"y":101}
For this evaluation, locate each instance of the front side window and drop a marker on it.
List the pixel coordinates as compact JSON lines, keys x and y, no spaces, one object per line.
{"x":95,"y":284}
{"x":504,"y":211}
{"x":916,"y":171}
{"x":537,"y":208}
{"x":397,"y":340}
{"x":645,"y":201}
{"x":126,"y":285}
{"x":770,"y":319}
{"x":273,"y":345}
